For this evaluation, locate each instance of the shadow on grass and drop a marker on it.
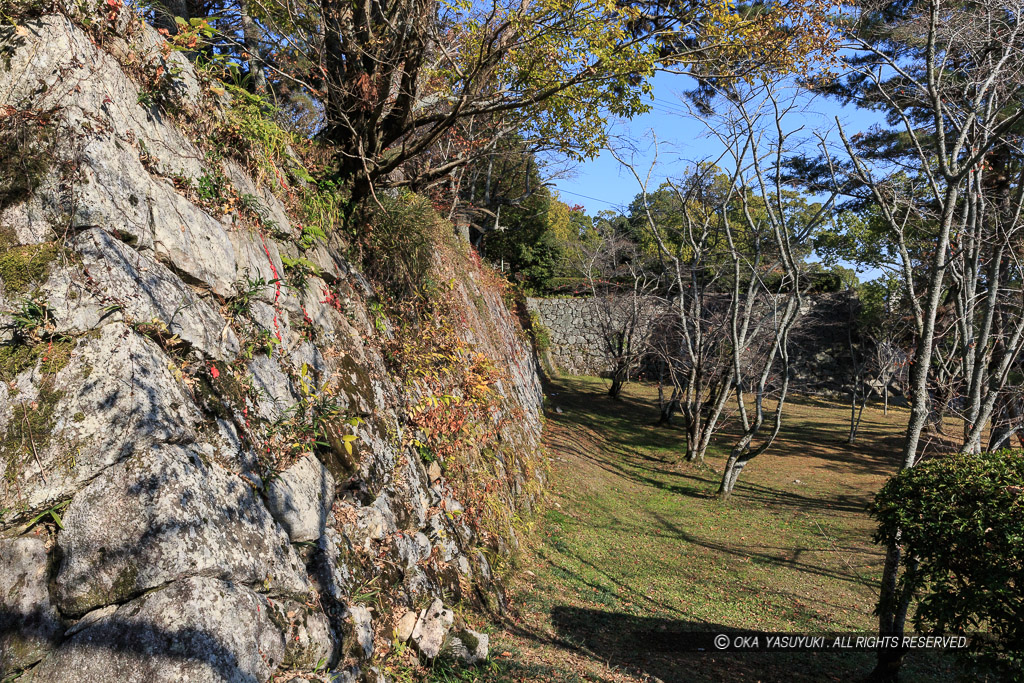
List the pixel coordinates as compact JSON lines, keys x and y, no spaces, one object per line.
{"x":630,"y":423}
{"x":619,"y":455}
{"x":676,"y":650}
{"x":799,"y":559}
{"x":794,"y":548}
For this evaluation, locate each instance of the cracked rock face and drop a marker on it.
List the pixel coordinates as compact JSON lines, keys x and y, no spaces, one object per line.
{"x":145,"y":290}
{"x":157,"y":414}
{"x":276,"y":394}
{"x":198,"y":630}
{"x":300,"y":499}
{"x":91,"y":88}
{"x":116,"y":396}
{"x":29,"y":624}
{"x":164,"y":515}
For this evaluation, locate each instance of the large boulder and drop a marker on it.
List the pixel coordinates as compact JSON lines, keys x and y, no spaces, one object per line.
{"x":115,"y":138}
{"x":114,"y":397}
{"x":163,"y":515}
{"x":199,"y":630}
{"x":191,"y":241}
{"x":146,"y":291}
{"x":300,"y":499}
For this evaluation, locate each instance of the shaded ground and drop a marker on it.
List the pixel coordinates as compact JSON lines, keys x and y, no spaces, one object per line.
{"x":634,"y":552}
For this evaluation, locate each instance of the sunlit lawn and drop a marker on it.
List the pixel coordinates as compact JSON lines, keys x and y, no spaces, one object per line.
{"x":634,"y":549}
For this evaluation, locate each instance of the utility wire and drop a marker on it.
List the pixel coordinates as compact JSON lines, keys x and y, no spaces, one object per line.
{"x":595,"y":199}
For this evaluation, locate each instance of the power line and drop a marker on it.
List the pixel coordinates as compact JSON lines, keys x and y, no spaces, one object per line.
{"x":595,"y":199}
{"x":672,"y":106}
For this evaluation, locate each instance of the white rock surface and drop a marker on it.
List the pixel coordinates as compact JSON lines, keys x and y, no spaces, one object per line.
{"x":403,"y":631}
{"x":431,"y":629}
{"x":146,"y":290}
{"x":300,"y":499}
{"x":163,"y":515}
{"x":117,"y":396}
{"x":307,"y":634}
{"x":362,"y":630}
{"x":199,"y":630}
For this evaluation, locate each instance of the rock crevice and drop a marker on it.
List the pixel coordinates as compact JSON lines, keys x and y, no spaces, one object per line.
{"x":157,"y":521}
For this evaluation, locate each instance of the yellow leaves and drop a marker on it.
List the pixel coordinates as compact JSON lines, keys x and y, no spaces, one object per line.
{"x":435,"y":401}
{"x":782,"y":38}
{"x":450,"y":381}
{"x":348,"y":439}
{"x":582,"y":49}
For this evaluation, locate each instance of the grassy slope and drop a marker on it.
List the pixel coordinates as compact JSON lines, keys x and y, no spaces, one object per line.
{"x":634,"y":548}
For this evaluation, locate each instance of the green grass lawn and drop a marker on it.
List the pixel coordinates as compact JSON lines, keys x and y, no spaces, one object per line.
{"x":634,"y":549}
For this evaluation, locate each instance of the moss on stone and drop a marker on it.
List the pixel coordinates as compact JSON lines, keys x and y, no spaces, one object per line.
{"x":26,"y":147}
{"x":30,"y":426}
{"x":469,"y":640}
{"x":16,"y":358}
{"x":125,"y":584}
{"x":21,"y":267}
{"x":8,"y":237}
{"x":355,"y":382}
{"x":29,"y":429}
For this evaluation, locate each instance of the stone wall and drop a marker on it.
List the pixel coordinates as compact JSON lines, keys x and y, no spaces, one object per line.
{"x":819,"y":346}
{"x":579,"y":329}
{"x":820,"y":358}
{"x":143,"y":535}
{"x":576,"y":346}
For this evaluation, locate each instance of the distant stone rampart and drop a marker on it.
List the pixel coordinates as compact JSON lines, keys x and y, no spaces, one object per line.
{"x":578,"y":329}
{"x":820,"y":360}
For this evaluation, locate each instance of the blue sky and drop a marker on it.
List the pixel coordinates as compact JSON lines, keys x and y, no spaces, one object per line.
{"x":604,"y":184}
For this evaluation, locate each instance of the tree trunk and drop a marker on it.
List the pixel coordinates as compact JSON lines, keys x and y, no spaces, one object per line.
{"x":691,"y":444}
{"x":733,"y":467}
{"x":668,"y":409}
{"x":251,"y":38}
{"x":856,"y":415}
{"x":887,"y":666}
{"x":619,"y":376}
{"x":890,"y":619}
{"x":852,"y":436}
{"x":694,"y":426}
